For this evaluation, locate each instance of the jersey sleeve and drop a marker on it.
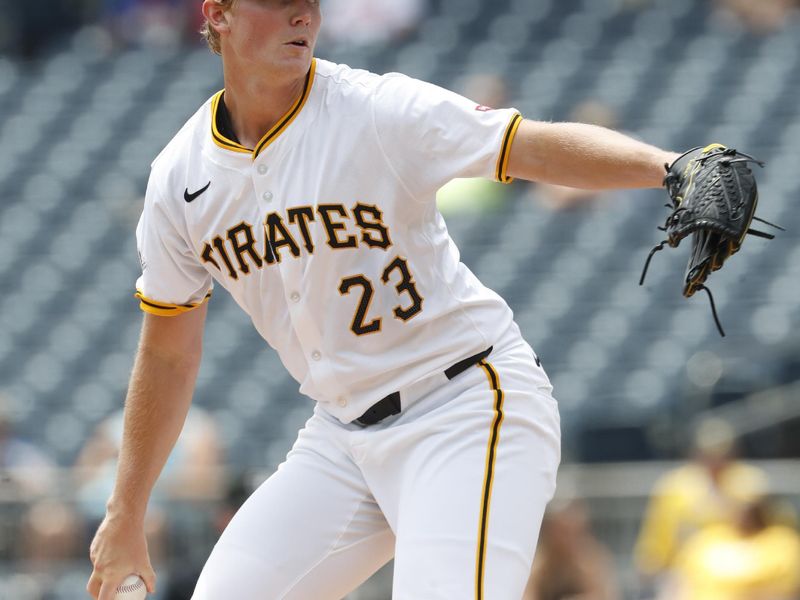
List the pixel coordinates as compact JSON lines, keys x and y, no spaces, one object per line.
{"x":173,"y":281}
{"x":431,"y":135}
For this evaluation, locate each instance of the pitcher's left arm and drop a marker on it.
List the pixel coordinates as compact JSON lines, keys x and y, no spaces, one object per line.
{"x":585,"y":156}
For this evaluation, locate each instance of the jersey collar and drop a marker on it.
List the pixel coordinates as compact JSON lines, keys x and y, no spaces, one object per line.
{"x":227,"y":143}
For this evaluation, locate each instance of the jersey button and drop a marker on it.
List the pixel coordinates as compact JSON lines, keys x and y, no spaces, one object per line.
{"x":262,"y":169}
{"x":341,"y":402}
{"x":316,"y":355}
{"x":267,"y":196}
{"x":295,"y":297}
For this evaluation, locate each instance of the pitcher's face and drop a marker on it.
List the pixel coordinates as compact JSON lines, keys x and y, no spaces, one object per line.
{"x":278,"y":34}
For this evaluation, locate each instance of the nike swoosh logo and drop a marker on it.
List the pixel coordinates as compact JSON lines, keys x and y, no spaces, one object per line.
{"x":191,"y":197}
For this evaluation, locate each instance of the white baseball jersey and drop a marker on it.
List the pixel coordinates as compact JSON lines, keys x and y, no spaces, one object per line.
{"x":327,"y":233}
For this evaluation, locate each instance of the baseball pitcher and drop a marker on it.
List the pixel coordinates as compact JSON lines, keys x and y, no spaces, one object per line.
{"x":306,"y":190}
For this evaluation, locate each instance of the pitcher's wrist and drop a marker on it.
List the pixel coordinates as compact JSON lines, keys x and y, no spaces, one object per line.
{"x":128,"y":510}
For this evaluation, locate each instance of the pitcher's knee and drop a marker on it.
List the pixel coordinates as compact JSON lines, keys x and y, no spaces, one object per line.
{"x":235,"y":573}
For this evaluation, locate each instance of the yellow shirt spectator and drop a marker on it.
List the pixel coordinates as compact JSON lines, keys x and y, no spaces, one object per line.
{"x":688,"y":499}
{"x":722,"y":563}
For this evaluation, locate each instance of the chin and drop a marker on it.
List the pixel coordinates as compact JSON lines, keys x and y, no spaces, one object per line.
{"x":297,"y":65}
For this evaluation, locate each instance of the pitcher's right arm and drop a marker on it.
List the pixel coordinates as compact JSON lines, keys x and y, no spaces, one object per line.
{"x":159,"y":395}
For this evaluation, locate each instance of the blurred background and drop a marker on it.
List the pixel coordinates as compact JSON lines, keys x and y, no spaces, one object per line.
{"x":680,"y":476}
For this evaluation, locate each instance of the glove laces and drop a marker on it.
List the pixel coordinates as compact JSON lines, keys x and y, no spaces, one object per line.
{"x":713,"y":308}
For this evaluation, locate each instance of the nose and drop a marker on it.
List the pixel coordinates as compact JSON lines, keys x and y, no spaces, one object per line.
{"x":304,"y":20}
{"x":303,"y":14}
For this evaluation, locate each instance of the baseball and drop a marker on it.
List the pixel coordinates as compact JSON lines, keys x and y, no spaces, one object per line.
{"x":132,"y":588}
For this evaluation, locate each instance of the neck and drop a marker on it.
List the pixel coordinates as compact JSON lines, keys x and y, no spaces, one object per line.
{"x":257,"y":101}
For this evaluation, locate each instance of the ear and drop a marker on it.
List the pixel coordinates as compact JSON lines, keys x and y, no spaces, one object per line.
{"x":215,"y":14}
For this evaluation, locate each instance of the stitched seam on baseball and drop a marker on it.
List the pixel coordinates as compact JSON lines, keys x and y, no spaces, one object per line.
{"x":124,"y":589}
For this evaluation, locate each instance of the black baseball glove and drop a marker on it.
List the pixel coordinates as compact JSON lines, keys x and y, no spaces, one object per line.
{"x":714,"y":198}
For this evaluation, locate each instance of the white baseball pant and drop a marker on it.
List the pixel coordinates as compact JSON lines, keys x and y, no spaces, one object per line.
{"x":454,"y":487}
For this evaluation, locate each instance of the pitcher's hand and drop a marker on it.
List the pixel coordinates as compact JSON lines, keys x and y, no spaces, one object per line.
{"x":119,"y":549}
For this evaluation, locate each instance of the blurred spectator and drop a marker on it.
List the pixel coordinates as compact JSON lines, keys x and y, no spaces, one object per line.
{"x":476,"y":195}
{"x":761,"y":17}
{"x":44,"y":528}
{"x":368,"y":22}
{"x":486,"y":89}
{"x":152,"y":23}
{"x":25,"y":470}
{"x":194,"y":20}
{"x":751,"y":558}
{"x":50,"y":530}
{"x":570,"y":563}
{"x":192,"y":472}
{"x":471,"y":196}
{"x":709,"y":490}
{"x":29,"y":27}
{"x":559,"y":197}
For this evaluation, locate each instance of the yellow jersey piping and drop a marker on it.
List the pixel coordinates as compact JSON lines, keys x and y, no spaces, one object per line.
{"x":269,"y":137}
{"x":488,"y":478}
{"x":164,"y":309}
{"x":287,"y":119}
{"x":219,"y":139}
{"x":501,"y":173}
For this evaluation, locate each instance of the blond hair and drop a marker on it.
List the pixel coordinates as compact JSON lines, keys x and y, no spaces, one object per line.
{"x":210,"y":34}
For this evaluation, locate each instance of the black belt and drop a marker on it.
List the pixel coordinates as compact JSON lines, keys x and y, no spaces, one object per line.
{"x":390,"y":405}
